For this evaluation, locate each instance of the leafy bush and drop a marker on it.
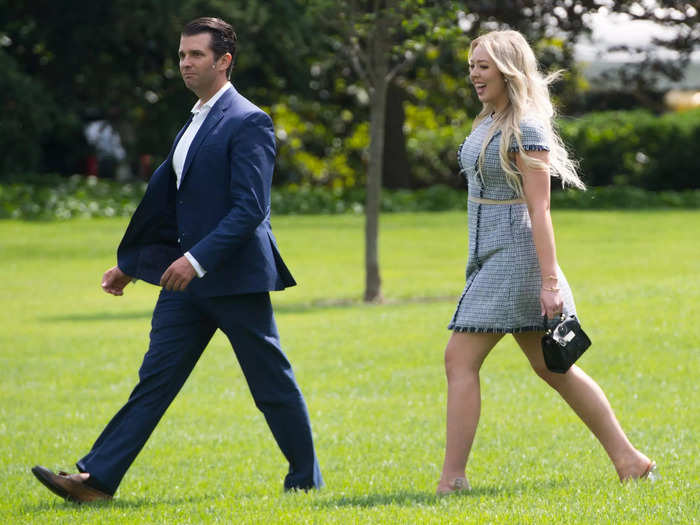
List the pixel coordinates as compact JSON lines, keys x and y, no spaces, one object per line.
{"x":636,"y":148}
{"x":293,"y":200}
{"x":318,"y":145}
{"x":622,"y":148}
{"x":25,"y":117}
{"x":624,"y":197}
{"x":432,"y":139}
{"x":54,"y":197}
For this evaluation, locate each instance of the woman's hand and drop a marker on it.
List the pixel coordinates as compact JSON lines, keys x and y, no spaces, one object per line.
{"x":551,"y":303}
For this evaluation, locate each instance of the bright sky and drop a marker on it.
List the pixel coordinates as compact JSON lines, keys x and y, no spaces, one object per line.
{"x":614,"y":28}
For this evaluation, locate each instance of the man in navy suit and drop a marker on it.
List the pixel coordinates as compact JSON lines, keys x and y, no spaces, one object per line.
{"x":202,"y":232}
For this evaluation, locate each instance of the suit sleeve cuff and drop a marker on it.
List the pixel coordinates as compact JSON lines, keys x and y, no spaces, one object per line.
{"x":201,"y":272}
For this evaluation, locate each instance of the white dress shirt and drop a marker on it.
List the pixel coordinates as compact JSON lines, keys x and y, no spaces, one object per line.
{"x":199,"y":114}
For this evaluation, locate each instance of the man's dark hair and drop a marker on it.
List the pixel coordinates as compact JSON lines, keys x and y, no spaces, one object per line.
{"x":223,"y":38}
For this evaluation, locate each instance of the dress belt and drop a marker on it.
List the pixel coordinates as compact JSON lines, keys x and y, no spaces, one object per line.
{"x":479,"y":200}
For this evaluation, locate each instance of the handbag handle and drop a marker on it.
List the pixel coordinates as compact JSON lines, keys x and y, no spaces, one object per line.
{"x":545,"y":322}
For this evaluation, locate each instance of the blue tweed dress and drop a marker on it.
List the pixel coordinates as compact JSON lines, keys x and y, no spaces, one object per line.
{"x":503,"y":279}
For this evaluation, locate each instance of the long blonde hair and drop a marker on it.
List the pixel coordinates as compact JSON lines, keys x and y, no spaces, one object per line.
{"x":528,"y":95}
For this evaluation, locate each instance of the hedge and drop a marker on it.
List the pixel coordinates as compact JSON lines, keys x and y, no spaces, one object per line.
{"x":636,"y":148}
{"x":57,"y":197}
{"x":630,"y":159}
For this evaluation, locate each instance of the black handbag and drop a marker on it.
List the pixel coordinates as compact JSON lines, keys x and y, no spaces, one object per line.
{"x":563,"y":343}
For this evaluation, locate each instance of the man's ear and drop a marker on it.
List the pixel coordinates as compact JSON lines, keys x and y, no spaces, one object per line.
{"x":228,"y":59}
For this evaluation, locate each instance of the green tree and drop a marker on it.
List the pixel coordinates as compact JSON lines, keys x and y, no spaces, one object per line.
{"x":117,"y":61}
{"x":26,"y":113}
{"x":381,"y":39}
{"x":555,"y":26}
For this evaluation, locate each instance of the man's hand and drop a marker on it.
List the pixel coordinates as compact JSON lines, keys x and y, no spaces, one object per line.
{"x":178,"y":275}
{"x":114,"y":281}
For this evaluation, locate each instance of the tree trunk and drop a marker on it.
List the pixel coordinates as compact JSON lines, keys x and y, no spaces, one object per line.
{"x":373,"y":282}
{"x":396,"y":171}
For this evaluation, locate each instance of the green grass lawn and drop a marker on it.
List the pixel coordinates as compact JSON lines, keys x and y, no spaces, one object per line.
{"x":372,"y":376}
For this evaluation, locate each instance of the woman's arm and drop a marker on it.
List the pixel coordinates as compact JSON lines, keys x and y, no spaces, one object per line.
{"x":536,"y":186}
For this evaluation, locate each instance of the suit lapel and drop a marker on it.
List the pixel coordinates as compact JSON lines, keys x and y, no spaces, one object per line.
{"x":215,"y":115}
{"x":177,"y":138}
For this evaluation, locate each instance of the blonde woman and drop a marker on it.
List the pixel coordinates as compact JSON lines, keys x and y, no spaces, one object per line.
{"x":513,"y":278}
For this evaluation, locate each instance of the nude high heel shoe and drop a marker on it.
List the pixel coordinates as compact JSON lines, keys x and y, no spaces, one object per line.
{"x":651,"y":474}
{"x":457,"y":485}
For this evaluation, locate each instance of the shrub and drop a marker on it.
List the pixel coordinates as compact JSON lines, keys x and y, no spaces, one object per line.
{"x":55,"y":197}
{"x":26,"y":113}
{"x":636,"y":148}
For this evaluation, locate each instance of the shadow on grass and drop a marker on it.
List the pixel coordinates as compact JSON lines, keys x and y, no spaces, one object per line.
{"x":400,"y":497}
{"x":96,"y":316}
{"x":350,"y":303}
{"x":408,"y":497}
{"x":296,"y":308}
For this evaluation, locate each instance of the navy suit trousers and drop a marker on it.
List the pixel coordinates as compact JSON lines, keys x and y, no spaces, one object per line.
{"x":182,"y":326}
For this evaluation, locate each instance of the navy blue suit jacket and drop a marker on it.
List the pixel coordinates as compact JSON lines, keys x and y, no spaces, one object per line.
{"x":220,"y":213}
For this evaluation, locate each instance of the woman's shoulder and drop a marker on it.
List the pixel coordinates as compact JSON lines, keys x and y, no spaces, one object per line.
{"x":534,"y":132}
{"x":533,"y":122}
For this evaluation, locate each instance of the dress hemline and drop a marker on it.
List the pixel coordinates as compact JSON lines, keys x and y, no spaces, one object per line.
{"x":485,"y":330}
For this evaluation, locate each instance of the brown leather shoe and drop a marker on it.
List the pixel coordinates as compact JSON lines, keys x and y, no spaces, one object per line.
{"x":72,"y":487}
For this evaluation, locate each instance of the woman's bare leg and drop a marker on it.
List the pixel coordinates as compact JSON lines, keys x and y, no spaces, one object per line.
{"x":464,"y":355}
{"x":587,"y":399}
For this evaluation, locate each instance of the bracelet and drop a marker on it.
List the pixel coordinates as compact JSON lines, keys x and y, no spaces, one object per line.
{"x":552,"y":289}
